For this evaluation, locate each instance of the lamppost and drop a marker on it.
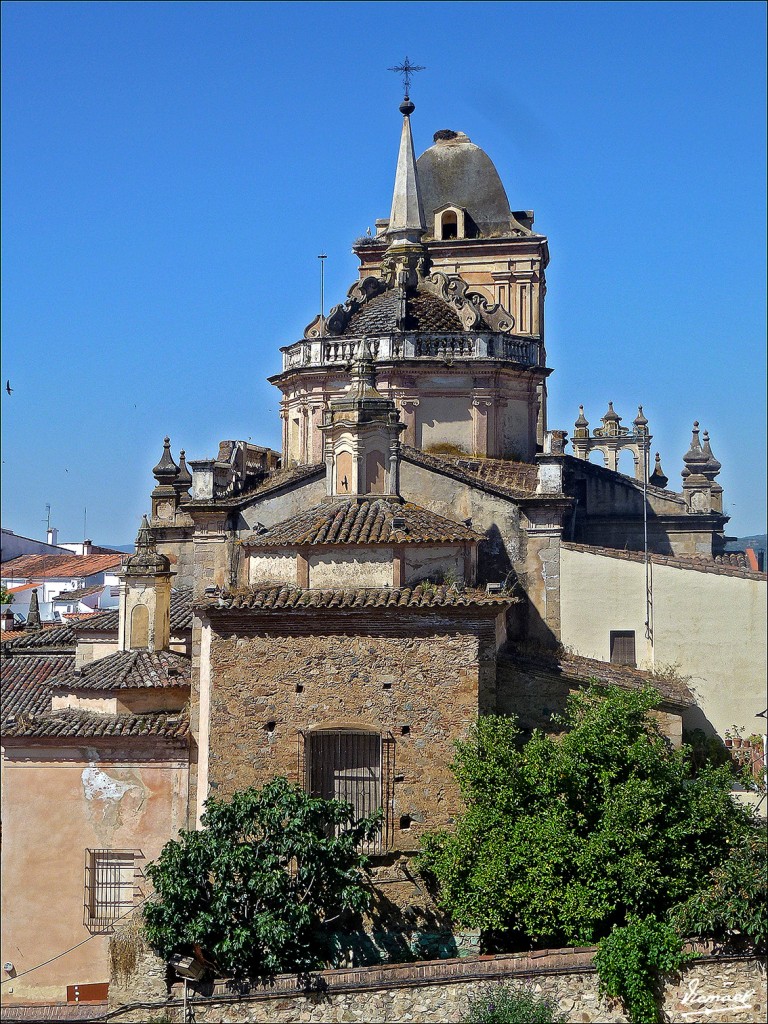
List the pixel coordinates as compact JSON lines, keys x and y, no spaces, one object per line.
{"x":188,"y":969}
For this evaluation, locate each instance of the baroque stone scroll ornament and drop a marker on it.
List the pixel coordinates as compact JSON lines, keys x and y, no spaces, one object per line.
{"x":473,"y":309}
{"x":339,"y":316}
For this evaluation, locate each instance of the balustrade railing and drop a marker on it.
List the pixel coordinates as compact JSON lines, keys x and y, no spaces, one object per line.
{"x":335,"y":351}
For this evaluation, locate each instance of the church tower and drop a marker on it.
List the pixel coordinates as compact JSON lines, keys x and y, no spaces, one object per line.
{"x":450,"y":303}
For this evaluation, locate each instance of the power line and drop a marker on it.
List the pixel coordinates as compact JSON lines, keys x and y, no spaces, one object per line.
{"x":76,"y":946}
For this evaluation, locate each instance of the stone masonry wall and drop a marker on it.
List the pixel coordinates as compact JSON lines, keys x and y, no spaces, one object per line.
{"x":272,"y":682}
{"x":712,"y":988}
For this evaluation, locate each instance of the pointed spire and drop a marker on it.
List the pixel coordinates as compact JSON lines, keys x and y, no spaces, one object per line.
{"x":582,"y":420}
{"x":406,"y":219}
{"x":640,"y":421}
{"x":33,"y":622}
{"x":146,"y":561}
{"x":712,"y":467}
{"x":166,"y":469}
{"x":657,"y":477}
{"x":611,"y":414}
{"x":183,"y":480}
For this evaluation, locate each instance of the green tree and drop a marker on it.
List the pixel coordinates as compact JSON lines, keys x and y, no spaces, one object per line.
{"x":6,"y":597}
{"x":257,"y":888}
{"x":565,"y":838}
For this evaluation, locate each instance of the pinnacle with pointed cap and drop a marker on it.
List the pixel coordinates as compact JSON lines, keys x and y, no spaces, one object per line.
{"x":33,"y":623}
{"x":712,"y":467}
{"x":611,"y":413}
{"x":582,"y":420}
{"x":406,"y":220}
{"x":166,"y":469}
{"x":640,"y":421}
{"x":183,"y":480}
{"x":657,"y":478}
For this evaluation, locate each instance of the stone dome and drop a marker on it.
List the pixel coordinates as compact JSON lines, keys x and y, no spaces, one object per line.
{"x":456,"y":172}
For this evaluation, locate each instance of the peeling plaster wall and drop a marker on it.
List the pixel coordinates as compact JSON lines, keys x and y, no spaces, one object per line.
{"x":422,"y":562}
{"x":274,"y":567}
{"x":57,"y":803}
{"x":348,"y":567}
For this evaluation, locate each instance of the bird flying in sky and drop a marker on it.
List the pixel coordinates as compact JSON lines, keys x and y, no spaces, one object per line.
{"x":8,"y":387}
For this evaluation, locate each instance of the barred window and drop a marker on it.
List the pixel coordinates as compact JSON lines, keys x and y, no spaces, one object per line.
{"x":355,"y":767}
{"x":623,"y":647}
{"x":110,"y":887}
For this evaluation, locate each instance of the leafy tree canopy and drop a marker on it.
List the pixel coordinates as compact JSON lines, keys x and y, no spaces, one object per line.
{"x":6,"y":597}
{"x":258,"y":885}
{"x":564,"y":838}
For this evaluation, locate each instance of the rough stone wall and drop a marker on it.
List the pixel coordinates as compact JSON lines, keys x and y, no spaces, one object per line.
{"x":419,"y":680}
{"x":719,"y":988}
{"x":534,"y":695}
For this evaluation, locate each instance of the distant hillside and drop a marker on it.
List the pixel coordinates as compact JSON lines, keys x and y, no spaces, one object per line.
{"x":758,"y":542}
{"x":120,"y":547}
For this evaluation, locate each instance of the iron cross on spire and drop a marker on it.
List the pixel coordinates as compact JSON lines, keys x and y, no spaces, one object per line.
{"x":406,"y":69}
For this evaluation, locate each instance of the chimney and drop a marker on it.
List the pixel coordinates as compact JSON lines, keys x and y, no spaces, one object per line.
{"x":87,"y":547}
{"x":53,"y":536}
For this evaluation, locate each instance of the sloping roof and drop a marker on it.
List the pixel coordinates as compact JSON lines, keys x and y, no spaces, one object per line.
{"x":281,"y":598}
{"x":698,"y":563}
{"x":275,"y":481}
{"x":74,"y":723}
{"x":108,"y":622}
{"x":584,"y":670}
{"x":52,"y":634}
{"x":40,"y":567}
{"x":497,"y":476}
{"x":78,"y":595}
{"x":353,"y":521}
{"x":26,"y":682}
{"x":124,"y":670}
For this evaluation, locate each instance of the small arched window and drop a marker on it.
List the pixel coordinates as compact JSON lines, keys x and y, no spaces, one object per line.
{"x":449,"y":225}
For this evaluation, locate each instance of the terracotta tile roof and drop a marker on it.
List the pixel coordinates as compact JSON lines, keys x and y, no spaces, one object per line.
{"x":497,"y":476}
{"x":125,"y":670}
{"x":583,"y":670}
{"x":38,"y":567}
{"x":352,"y":521}
{"x":74,"y":723}
{"x":26,"y":682}
{"x":24,"y":586}
{"x":423,"y":312}
{"x":78,"y":595}
{"x":107,"y":622}
{"x":717,"y":565}
{"x":52,"y":634}
{"x":281,"y":598}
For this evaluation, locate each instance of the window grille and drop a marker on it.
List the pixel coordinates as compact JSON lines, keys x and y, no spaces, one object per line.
{"x":623,"y":647}
{"x":356,"y":767}
{"x":110,"y":887}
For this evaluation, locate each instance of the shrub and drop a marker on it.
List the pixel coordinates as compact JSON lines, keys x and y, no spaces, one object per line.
{"x":505,"y":1004}
{"x":630,"y":962}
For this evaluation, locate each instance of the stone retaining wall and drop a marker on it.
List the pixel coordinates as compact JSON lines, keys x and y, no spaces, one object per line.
{"x":717,"y":988}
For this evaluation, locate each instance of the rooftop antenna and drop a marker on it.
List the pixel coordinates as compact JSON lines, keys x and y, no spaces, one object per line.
{"x":85,"y":524}
{"x":47,"y":519}
{"x":322,"y":257}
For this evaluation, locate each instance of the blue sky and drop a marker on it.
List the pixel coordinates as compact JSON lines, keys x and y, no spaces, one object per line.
{"x":172,"y":170}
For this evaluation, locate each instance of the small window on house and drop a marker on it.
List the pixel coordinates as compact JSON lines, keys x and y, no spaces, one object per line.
{"x":110,"y":887}
{"x":354,"y":767}
{"x":449,"y":225}
{"x":623,"y":647}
